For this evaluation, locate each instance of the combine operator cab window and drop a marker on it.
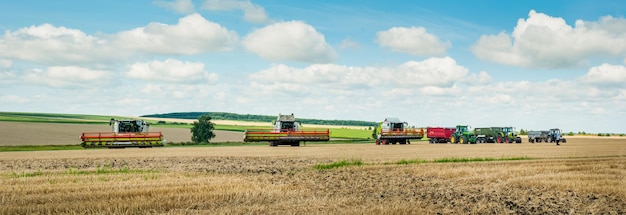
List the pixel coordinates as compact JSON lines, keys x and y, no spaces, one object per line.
{"x":129,"y":126}
{"x":287,"y":126}
{"x":396,"y":126}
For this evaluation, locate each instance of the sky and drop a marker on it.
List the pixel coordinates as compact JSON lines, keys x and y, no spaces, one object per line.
{"x":533,"y":64}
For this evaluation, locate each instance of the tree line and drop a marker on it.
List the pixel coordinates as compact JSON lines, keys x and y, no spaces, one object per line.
{"x":257,"y":118}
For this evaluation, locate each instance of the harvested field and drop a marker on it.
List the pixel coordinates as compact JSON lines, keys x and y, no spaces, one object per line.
{"x":584,"y":175}
{"x":29,"y":133}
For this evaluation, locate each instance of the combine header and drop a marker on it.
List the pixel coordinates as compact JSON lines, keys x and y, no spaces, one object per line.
{"x":126,"y":133}
{"x":286,"y":131}
{"x":392,"y":131}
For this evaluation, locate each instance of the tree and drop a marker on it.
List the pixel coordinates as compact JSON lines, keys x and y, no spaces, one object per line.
{"x":202,"y":130}
{"x":523,"y":132}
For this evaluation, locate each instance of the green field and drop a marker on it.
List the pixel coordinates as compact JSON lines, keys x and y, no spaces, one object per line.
{"x":53,"y":118}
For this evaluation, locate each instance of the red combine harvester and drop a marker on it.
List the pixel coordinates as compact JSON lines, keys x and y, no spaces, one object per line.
{"x":439,"y":134}
{"x":286,"y":131}
{"x":392,"y":131}
{"x":126,"y":133}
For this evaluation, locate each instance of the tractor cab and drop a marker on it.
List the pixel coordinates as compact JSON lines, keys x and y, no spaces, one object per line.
{"x":461,"y":128}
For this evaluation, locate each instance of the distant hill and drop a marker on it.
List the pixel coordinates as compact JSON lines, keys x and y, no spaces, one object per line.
{"x":257,"y":118}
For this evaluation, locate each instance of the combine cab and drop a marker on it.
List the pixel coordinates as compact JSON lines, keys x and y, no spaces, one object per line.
{"x":126,"y":133}
{"x":393,"y":131}
{"x":286,"y":131}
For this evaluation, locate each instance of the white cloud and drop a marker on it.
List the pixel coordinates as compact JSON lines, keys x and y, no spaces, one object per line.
{"x":5,"y":64}
{"x":542,"y":41}
{"x":294,"y":40}
{"x":414,"y":40}
{"x":192,"y":35}
{"x":178,"y":6}
{"x":69,"y":77}
{"x":252,"y":13}
{"x":443,"y":72}
{"x":606,"y":75}
{"x":349,"y":44}
{"x":50,"y":45}
{"x":13,"y":99}
{"x":55,"y":45}
{"x":172,"y":71}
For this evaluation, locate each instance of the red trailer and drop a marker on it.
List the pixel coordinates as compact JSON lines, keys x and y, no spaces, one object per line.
{"x":439,"y":134}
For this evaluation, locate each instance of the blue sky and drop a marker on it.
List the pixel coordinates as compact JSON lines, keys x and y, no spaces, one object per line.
{"x":527,"y":64}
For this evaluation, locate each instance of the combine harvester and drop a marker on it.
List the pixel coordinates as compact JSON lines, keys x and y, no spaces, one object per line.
{"x":126,"y":133}
{"x":286,"y":131}
{"x":394,"y":131}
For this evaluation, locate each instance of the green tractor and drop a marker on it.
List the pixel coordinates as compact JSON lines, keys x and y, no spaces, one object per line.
{"x":463,"y":135}
{"x":509,"y":135}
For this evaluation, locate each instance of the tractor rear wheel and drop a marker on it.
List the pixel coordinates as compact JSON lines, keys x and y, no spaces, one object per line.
{"x":463,"y":140}
{"x":452,"y":139}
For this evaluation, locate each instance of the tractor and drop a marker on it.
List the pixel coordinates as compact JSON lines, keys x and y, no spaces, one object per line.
{"x":554,"y":136}
{"x":462,"y":135}
{"x":509,"y":135}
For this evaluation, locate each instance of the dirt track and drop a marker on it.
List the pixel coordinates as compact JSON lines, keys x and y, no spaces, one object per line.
{"x":25,"y":133}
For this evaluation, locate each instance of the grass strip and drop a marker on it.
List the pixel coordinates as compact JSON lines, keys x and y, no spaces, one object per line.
{"x":407,"y":162}
{"x":338,"y":164}
{"x":39,"y":148}
{"x":344,"y":163}
{"x":477,"y":159}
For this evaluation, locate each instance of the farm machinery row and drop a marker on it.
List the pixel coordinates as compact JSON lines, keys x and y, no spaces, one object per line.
{"x":288,"y":131}
{"x":462,"y":135}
